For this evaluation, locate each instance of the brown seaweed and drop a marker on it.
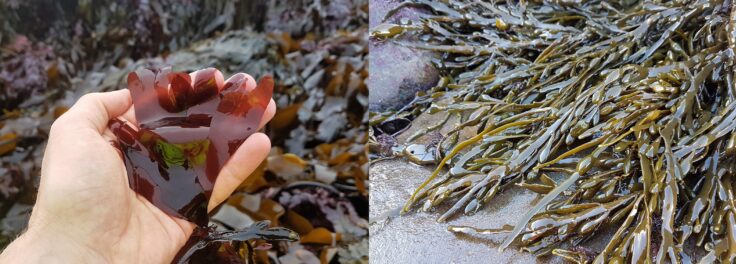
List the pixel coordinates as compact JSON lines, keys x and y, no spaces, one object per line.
{"x":632,"y":105}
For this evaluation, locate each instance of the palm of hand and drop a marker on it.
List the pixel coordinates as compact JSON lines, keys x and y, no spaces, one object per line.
{"x":101,"y":211}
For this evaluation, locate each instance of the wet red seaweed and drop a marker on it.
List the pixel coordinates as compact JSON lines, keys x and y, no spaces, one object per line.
{"x":188,"y":127}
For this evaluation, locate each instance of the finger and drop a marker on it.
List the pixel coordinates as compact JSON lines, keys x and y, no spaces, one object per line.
{"x":246,"y":159}
{"x":268,"y":115}
{"x":250,"y":84}
{"x":249,"y":81}
{"x":94,"y":110}
{"x":204,"y":75}
{"x":129,"y":117}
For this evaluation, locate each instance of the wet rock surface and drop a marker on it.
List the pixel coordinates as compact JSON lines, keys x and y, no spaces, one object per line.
{"x":417,"y":238}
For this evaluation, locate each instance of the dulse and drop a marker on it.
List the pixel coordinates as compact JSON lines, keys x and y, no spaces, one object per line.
{"x":620,"y":114}
{"x":188,"y":127}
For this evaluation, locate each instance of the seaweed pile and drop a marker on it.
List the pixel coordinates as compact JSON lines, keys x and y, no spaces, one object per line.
{"x":315,"y":180}
{"x":620,"y":114}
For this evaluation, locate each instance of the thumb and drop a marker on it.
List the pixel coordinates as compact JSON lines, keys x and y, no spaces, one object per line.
{"x":94,"y":110}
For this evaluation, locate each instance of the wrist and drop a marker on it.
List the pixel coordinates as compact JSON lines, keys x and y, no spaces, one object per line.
{"x":35,"y":246}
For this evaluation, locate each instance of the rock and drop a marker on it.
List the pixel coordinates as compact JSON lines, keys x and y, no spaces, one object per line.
{"x":300,"y":17}
{"x":379,"y":9}
{"x":232,"y":217}
{"x":396,"y":72}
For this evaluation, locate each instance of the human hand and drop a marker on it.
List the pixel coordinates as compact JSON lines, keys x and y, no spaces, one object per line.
{"x":85,"y":212}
